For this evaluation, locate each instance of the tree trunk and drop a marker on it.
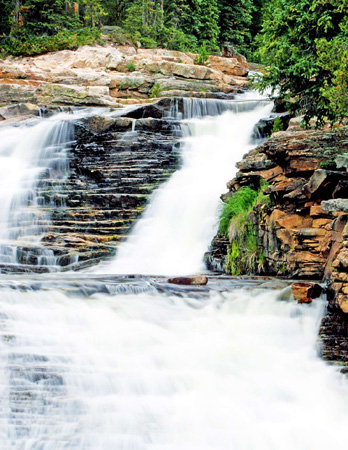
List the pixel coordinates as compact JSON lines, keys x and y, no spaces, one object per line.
{"x":17,"y":10}
{"x":162,"y":14}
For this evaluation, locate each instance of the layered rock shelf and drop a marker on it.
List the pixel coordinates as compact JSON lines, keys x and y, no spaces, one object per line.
{"x":111,"y":75}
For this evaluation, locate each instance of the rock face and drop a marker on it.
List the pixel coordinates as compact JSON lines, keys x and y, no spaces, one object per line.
{"x":293,"y":231}
{"x":114,"y":167}
{"x":108,"y":76}
{"x":299,"y":223}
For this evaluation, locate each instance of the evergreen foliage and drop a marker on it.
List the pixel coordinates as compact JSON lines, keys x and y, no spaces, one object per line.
{"x":176,"y":24}
{"x":32,"y":27}
{"x":236,"y":19}
{"x":305,"y":45}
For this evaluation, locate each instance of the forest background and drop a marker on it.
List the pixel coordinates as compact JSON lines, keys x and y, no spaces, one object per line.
{"x":302,"y":43}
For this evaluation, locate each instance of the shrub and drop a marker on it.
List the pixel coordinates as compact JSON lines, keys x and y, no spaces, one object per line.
{"x":244,"y":253}
{"x":30,"y":45}
{"x":130,"y":66}
{"x":118,"y":37}
{"x":277,"y":125}
{"x":202,"y":58}
{"x":156,"y":90}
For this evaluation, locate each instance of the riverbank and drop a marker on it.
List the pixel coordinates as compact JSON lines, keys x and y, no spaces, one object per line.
{"x":298,"y":226}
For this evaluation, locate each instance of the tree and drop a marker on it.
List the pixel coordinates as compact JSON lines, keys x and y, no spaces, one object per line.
{"x":6,"y":19}
{"x":115,"y":10}
{"x":41,"y":17}
{"x":298,"y":40}
{"x":236,"y":20}
{"x":333,"y":57}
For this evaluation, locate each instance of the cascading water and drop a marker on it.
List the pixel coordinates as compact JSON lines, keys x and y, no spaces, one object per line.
{"x":149,"y":372}
{"x":177,"y":227}
{"x":144,"y":366}
{"x":33,"y":163}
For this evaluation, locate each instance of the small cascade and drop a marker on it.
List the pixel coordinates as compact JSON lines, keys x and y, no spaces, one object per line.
{"x":188,"y":108}
{"x":181,"y":220}
{"x":33,"y":166}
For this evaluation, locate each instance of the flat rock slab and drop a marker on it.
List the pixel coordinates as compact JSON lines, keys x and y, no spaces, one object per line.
{"x":337,"y":204}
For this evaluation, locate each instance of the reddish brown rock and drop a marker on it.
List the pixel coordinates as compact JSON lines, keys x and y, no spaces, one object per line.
{"x":194,"y":280}
{"x":343,"y":302}
{"x":295,"y":221}
{"x":305,"y":292}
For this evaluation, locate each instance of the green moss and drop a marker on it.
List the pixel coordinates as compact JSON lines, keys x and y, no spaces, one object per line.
{"x":245,"y":254}
{"x":241,"y":202}
{"x":329,"y":164}
{"x":232,"y":265}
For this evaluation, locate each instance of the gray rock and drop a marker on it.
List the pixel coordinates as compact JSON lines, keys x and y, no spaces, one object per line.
{"x":342,"y":161}
{"x":337,"y":204}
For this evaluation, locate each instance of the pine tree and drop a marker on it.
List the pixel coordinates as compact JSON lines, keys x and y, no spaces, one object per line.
{"x":41,"y":17}
{"x":236,"y":19}
{"x":7,"y":8}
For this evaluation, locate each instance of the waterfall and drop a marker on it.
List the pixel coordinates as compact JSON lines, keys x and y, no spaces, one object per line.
{"x":150,"y":372}
{"x":187,"y":108}
{"x":91,"y":362}
{"x":181,"y":219}
{"x":33,"y":162}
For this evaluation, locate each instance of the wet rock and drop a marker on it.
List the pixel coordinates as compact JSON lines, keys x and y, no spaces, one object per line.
{"x":264,"y":127}
{"x":195,"y":280}
{"x":305,"y":292}
{"x":22,"y":109}
{"x":342,"y":161}
{"x":157,"y":110}
{"x":292,"y":229}
{"x":341,"y":189}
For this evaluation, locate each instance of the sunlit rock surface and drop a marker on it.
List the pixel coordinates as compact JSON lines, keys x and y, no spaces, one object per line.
{"x":108,"y":76}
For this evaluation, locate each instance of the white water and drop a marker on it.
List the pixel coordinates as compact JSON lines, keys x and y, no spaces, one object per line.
{"x":181,"y":220}
{"x":149,"y":372}
{"x":28,"y":154}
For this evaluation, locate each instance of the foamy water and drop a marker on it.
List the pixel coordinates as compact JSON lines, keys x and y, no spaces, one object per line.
{"x":181,"y":219}
{"x":149,"y":372}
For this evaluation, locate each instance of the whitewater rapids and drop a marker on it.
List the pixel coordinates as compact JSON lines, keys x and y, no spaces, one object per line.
{"x":239,"y":371}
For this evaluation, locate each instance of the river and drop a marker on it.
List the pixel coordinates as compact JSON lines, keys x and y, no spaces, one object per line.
{"x":129,"y":362}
